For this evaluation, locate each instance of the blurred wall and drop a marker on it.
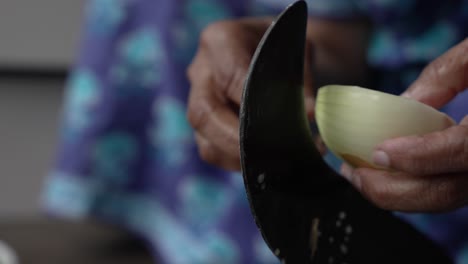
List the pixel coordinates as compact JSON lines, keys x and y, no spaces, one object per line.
{"x":29,"y":109}
{"x":37,"y":36}
{"x":38,"y":33}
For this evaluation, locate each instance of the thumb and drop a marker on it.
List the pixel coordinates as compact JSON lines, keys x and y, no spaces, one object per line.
{"x":442,"y":79}
{"x":434,"y":153}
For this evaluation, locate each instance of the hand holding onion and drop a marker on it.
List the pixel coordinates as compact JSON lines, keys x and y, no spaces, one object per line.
{"x":426,"y":171}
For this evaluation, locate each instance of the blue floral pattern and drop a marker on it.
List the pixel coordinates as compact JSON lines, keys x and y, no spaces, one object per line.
{"x":83,"y":97}
{"x":171,"y":133}
{"x":127,"y":154}
{"x":104,"y":16}
{"x":141,"y":59}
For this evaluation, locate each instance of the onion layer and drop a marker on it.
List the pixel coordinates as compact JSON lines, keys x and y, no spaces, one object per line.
{"x":352,"y":120}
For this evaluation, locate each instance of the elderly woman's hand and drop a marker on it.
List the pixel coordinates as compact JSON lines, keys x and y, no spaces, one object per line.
{"x":428,"y":172}
{"x":219,"y":69}
{"x":217,"y":76}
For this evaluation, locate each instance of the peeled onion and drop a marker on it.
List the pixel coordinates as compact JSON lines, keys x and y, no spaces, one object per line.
{"x":352,"y":120}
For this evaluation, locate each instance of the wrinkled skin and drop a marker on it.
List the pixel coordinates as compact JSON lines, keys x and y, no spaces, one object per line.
{"x":218,"y":71}
{"x":217,"y":75}
{"x":428,"y":172}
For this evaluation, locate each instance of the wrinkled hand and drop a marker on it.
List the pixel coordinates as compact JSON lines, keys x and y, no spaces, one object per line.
{"x":429,"y":172}
{"x":217,"y":76}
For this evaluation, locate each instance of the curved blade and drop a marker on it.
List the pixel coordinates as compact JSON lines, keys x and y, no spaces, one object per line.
{"x":305,"y":211}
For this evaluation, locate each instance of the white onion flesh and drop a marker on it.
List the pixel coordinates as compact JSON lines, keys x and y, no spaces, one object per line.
{"x":352,"y":120}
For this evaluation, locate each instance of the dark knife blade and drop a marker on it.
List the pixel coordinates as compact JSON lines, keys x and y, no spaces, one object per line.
{"x":306,"y":212}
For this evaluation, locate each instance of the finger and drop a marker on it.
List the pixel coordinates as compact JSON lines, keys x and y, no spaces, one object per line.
{"x":198,"y":66}
{"x":405,"y":192}
{"x":215,"y":122}
{"x":230,"y":68}
{"x":230,"y":75}
{"x":442,"y":79}
{"x":213,"y":119}
{"x":439,"y":152}
{"x":234,"y":84}
{"x":347,"y":172}
{"x":216,"y":156}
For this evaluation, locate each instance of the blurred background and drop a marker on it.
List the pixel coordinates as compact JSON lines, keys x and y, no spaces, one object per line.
{"x":38,"y":41}
{"x":38,"y":44}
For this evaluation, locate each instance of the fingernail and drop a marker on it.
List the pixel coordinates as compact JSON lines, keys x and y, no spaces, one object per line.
{"x":350,"y":174}
{"x":356,"y":180}
{"x":407,"y":93}
{"x":347,"y":171}
{"x":381,"y":158}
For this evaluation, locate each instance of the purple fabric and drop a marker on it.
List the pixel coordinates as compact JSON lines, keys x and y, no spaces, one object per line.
{"x":127,"y":153}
